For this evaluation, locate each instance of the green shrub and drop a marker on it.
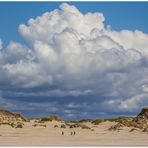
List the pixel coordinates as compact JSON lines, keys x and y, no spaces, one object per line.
{"x":122,"y":119}
{"x":84,"y":126}
{"x":12,"y":125}
{"x":49,"y":118}
{"x":146,"y":108}
{"x":55,"y":117}
{"x":19,"y":125}
{"x":44,"y":119}
{"x":97,"y":121}
{"x":18,"y":115}
{"x":7,"y":123}
{"x":63,"y":126}
{"x":56,"y":126}
{"x":85,"y":120}
{"x":71,"y":121}
{"x":116,"y":127}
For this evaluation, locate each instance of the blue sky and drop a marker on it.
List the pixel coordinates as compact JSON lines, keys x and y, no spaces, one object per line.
{"x":68,"y":62}
{"x":120,"y":15}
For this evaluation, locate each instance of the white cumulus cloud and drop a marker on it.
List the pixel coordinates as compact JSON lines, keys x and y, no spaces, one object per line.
{"x":73,"y":52}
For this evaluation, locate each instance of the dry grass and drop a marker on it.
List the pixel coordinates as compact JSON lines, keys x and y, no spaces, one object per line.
{"x":63,"y":126}
{"x":19,"y":125}
{"x":116,"y":127}
{"x":47,"y":118}
{"x":84,"y":126}
{"x":18,"y":115}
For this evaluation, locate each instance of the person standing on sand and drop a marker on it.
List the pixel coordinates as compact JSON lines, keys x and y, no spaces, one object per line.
{"x":62,"y":133}
{"x":74,"y":133}
{"x":71,"y":133}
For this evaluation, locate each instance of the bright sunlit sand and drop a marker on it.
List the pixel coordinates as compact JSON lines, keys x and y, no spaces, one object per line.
{"x":50,"y":136}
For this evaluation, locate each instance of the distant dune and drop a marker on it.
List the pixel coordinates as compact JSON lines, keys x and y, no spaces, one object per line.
{"x":17,"y":130}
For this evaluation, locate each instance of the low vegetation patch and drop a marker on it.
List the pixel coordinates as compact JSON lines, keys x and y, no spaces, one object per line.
{"x":13,"y":124}
{"x":55,"y":117}
{"x":6,"y":123}
{"x":44,"y":119}
{"x":85,"y":120}
{"x":48,"y":118}
{"x":122,"y":120}
{"x":18,"y":115}
{"x":84,"y":126}
{"x":116,"y":127}
{"x":56,"y":126}
{"x":19,"y":125}
{"x":63,"y":126}
{"x":98,"y":121}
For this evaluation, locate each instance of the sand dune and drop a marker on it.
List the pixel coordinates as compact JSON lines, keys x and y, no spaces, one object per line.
{"x":50,"y":136}
{"x":16,"y":130}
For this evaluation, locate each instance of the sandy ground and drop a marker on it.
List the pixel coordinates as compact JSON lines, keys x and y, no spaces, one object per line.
{"x":50,"y":136}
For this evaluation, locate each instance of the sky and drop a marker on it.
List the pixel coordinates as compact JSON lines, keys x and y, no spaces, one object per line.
{"x":76,"y":59}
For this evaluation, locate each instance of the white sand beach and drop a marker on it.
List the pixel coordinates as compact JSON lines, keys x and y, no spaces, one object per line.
{"x":51,"y":136}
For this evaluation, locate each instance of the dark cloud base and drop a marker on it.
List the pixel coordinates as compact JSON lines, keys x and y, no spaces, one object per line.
{"x":73,"y":65}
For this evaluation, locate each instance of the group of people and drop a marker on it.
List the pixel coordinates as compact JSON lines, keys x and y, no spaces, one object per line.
{"x":71,"y":133}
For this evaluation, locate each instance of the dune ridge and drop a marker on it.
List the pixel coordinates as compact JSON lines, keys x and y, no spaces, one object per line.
{"x":17,"y":130}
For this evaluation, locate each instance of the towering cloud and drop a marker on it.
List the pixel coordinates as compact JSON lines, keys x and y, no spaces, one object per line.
{"x":73,"y":55}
